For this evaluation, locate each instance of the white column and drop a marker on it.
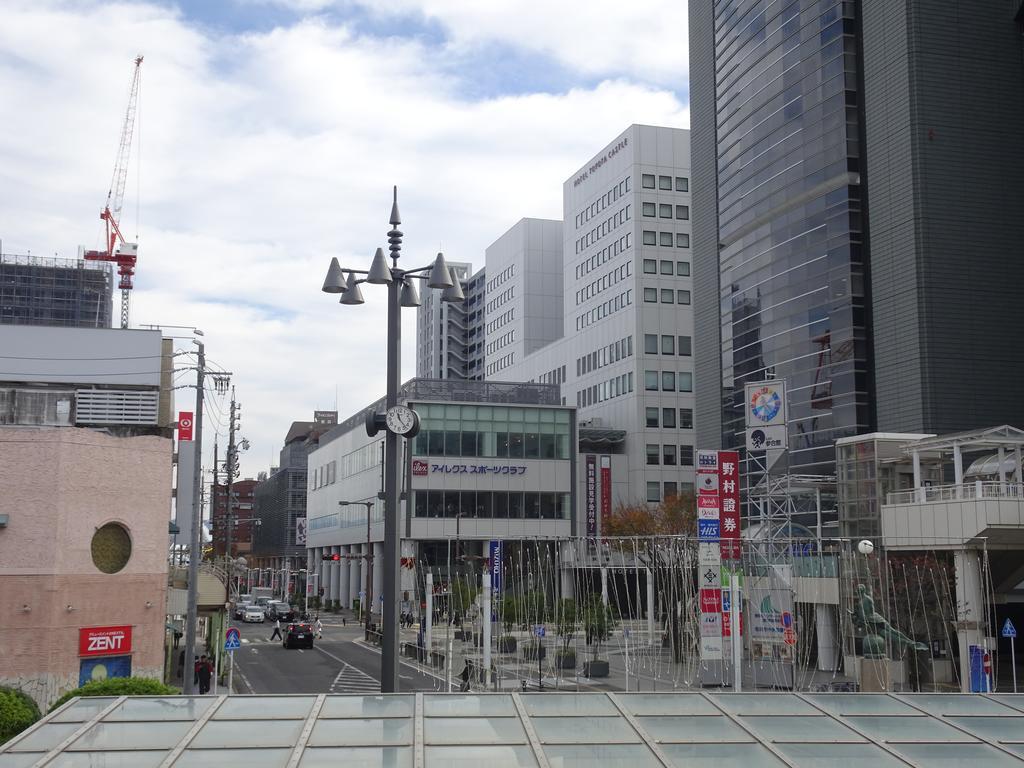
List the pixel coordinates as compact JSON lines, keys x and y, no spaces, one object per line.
{"x":568,"y":573}
{"x":1002,"y":471}
{"x":343,"y":580}
{"x":969,"y":610}
{"x":958,"y":470}
{"x":828,"y":644}
{"x":650,"y":607}
{"x":604,"y":585}
{"x":378,"y":576}
{"x":428,"y":631}
{"x":487,"y":630}
{"x":354,"y":573}
{"x":1017,"y":468}
{"x":918,"y":487}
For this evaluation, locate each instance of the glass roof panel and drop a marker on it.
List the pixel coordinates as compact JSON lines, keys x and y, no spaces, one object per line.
{"x":19,"y":759}
{"x":473,"y":730}
{"x":143,"y":758}
{"x":957,"y":755}
{"x":603,"y":755}
{"x":340,"y":733}
{"x":666,"y":704}
{"x":368,"y":706}
{"x":920,"y":728}
{"x":221,"y":758}
{"x":265,"y":708}
{"x":453,"y":705}
{"x":719,"y":755}
{"x":551,"y":704}
{"x":846,"y":755}
{"x":363,"y":757}
{"x":166,"y":708}
{"x":763,"y":704}
{"x":1018,"y":748}
{"x":957,"y":704}
{"x":242,"y":734}
{"x":1009,"y":699}
{"x":689,"y":728}
{"x":46,"y":737}
{"x":993,"y":728}
{"x":103,"y":736}
{"x":582,"y":730}
{"x":504,"y":756}
{"x":861,"y":704}
{"x":774,"y":728}
{"x":84,"y":708}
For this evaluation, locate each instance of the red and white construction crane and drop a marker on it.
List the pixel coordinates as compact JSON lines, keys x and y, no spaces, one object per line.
{"x":123,"y":253}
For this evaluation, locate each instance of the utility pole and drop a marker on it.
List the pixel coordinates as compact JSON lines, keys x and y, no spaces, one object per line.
{"x":213,"y":500}
{"x":230,"y":467}
{"x":195,"y":547}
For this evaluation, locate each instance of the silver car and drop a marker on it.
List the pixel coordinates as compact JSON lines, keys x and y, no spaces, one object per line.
{"x":253,"y":615}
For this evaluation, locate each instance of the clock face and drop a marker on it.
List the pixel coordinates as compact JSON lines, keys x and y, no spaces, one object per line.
{"x":400,"y":419}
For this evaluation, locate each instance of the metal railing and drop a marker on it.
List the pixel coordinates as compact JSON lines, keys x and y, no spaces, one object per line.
{"x":975,"y":491}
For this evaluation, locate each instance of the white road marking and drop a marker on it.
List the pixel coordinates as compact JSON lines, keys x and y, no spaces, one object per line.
{"x":403,"y":663}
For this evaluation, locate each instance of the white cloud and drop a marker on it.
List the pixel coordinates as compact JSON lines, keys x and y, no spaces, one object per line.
{"x":263,"y":155}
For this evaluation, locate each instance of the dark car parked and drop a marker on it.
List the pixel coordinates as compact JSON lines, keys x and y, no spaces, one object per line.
{"x":298,"y":634}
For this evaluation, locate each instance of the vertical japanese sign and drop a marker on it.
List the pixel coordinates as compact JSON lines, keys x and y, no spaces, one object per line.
{"x":729,"y":498}
{"x":591,"y":479}
{"x":495,"y":557}
{"x":606,"y":490}
{"x":709,"y":557}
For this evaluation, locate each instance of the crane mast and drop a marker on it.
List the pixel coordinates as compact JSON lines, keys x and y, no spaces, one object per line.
{"x":123,"y":253}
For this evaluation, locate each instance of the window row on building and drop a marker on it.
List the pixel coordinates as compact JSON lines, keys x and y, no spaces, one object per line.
{"x":557,"y":376}
{"x":672,"y":488}
{"x":501,"y":363}
{"x":664,"y":183}
{"x":502,"y":341}
{"x":667,"y":295}
{"x":514,"y":444}
{"x":503,"y":319}
{"x":668,"y":381}
{"x":323,"y":475}
{"x":491,"y":505}
{"x":667,"y":455}
{"x":604,"y":309}
{"x":606,"y":355}
{"x":666,"y":239}
{"x":617,"y":219}
{"x":605,"y":390}
{"x":602,"y":202}
{"x":501,"y":298}
{"x":665,"y":418}
{"x":665,"y":211}
{"x":668,"y":345}
{"x":666,"y":267}
{"x":605,"y":282}
{"x":501,"y":277}
{"x":604,"y":255}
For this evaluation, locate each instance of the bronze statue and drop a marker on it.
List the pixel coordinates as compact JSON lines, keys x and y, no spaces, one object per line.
{"x":876,"y":627}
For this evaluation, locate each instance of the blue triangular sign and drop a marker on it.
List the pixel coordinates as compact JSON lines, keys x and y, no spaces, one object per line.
{"x":1009,"y":630}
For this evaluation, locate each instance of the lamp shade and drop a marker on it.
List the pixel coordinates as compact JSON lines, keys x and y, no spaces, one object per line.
{"x":335,"y":280}
{"x":440,"y":276}
{"x":380,"y":274}
{"x":453,"y":293}
{"x":353,"y":294}
{"x":410,"y":296}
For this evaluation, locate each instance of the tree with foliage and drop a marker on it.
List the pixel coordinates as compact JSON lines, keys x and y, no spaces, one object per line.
{"x":119,"y":686}
{"x":463,"y":593}
{"x":509,"y":611}
{"x":598,"y":621}
{"x":676,"y":516}
{"x":567,"y":620}
{"x":533,"y":608}
{"x":17,"y":712}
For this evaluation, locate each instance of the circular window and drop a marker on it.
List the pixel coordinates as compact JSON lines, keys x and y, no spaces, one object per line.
{"x":111,"y":548}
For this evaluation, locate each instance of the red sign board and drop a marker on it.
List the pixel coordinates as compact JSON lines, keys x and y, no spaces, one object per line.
{"x":185,"y":425}
{"x":727,"y":623}
{"x":606,"y":489}
{"x":729,"y":496}
{"x":419,"y":468}
{"x":711,"y":601}
{"x":104,"y":641}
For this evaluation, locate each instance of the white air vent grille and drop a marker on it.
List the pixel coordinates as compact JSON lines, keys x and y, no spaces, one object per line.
{"x":105,"y":406}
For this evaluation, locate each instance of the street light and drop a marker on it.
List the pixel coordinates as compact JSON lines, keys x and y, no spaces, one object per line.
{"x":368,"y":556}
{"x":402,"y":292}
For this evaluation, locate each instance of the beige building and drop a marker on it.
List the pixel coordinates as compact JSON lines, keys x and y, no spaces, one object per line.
{"x":83,"y":556}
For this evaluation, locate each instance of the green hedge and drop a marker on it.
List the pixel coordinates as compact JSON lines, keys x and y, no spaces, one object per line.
{"x":119,"y":686}
{"x":17,"y":712}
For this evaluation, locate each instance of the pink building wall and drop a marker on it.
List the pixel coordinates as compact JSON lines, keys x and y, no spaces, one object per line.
{"x":58,"y":485}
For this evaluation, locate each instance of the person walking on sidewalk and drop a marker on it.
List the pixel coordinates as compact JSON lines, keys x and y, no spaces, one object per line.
{"x":319,"y":626}
{"x":277,"y":630}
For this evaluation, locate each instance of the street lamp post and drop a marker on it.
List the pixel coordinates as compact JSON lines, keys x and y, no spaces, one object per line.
{"x":368,"y":556}
{"x":402,"y":292}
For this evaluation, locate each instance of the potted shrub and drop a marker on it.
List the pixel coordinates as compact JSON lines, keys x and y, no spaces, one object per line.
{"x":598,"y":622}
{"x":566,"y":622}
{"x":509,"y":610}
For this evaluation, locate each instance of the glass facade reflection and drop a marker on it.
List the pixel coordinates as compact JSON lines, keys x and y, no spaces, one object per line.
{"x":791,"y":262}
{"x":491,"y":431}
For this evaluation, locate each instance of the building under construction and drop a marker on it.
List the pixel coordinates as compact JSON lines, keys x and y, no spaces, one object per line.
{"x":52,"y":291}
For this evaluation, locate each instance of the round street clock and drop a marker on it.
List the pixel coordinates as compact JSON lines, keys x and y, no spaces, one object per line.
{"x":402,"y":420}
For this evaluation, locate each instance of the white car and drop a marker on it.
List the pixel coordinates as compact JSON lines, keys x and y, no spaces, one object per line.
{"x":253,"y":615}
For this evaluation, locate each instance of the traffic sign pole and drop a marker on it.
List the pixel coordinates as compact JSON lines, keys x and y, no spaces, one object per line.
{"x":231,"y":672}
{"x":1010,"y":633}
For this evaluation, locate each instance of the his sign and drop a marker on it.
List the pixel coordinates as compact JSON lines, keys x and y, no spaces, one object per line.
{"x":104,"y":641}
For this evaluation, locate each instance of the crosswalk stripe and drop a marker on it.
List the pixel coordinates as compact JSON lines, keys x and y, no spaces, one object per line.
{"x":352,"y":680}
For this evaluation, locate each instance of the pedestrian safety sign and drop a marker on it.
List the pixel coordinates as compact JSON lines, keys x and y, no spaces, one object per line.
{"x":1009,"y":630}
{"x":232,"y":639}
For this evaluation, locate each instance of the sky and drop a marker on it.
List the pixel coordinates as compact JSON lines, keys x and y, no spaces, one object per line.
{"x":268,"y":136}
